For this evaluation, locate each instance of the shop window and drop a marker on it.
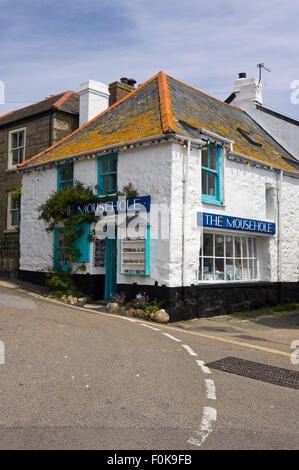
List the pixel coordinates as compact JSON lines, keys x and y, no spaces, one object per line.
{"x":16,"y":147}
{"x":65,"y":176}
{"x":13,"y":213}
{"x":107,"y":175}
{"x":210,"y":174}
{"x":226,"y":257}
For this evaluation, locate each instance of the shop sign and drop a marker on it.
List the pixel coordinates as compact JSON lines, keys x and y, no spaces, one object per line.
{"x":114,"y":206}
{"x":228,"y":222}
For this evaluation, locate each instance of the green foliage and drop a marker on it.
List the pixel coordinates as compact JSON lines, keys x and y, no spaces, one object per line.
{"x":128,"y":191}
{"x":60,"y":281}
{"x":285,"y":308}
{"x":154,"y":307}
{"x":16,"y":194}
{"x":59,"y":208}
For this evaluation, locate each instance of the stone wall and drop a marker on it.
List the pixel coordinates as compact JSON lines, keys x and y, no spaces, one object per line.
{"x":42,"y":131}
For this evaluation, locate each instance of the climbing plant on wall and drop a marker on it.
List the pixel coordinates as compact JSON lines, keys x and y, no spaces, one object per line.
{"x":57,"y":209}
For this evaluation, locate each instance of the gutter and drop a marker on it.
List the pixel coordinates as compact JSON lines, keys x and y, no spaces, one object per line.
{"x":293,"y":173}
{"x":114,"y":147}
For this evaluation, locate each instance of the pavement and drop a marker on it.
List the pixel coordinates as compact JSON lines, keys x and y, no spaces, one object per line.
{"x":79,"y":378}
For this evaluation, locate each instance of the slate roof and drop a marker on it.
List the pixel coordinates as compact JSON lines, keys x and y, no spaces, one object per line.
{"x":158,"y":107}
{"x":67,"y":101}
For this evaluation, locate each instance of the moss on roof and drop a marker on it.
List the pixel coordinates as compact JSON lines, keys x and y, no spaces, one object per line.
{"x":156,"y":108}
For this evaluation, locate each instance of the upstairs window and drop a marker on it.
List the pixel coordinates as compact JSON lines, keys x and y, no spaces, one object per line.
{"x":65,"y":174}
{"x":16,"y":147}
{"x":211,"y":190}
{"x":107,"y":175}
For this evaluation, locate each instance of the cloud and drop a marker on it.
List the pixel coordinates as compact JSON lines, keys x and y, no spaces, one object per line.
{"x":51,"y":46}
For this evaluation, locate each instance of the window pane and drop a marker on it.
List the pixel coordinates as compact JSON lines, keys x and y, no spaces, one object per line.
{"x":14,"y":218}
{"x":112,"y":164}
{"x":250,"y":247}
{"x":60,"y":241}
{"x":213,"y":158}
{"x":204,"y":182}
{"x":14,"y":140}
{"x":238,"y":270}
{"x":104,"y":165}
{"x":245,"y":269}
{"x":205,"y":158}
{"x":219,"y":269}
{"x":208,"y":269}
{"x":211,"y":184}
{"x":255,"y":269}
{"x":250,"y":265}
{"x":113,"y":182}
{"x":254,"y":247}
{"x":219,"y":245}
{"x":244,"y":247}
{"x":208,"y":244}
{"x":21,"y":155}
{"x":229,"y":246}
{"x":66,"y":172}
{"x":13,"y":203}
{"x":15,"y":157}
{"x":237,"y":247}
{"x":200,"y":269}
{"x":229,"y":270}
{"x":21,"y":138}
{"x":105,"y":183}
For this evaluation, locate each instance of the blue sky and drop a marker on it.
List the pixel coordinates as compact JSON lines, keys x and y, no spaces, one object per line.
{"x":49,"y":46}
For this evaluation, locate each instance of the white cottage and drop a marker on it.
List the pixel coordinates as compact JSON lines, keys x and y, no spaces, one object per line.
{"x":219,"y":198}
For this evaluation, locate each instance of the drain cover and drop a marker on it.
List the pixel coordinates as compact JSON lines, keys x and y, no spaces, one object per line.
{"x":254,"y":370}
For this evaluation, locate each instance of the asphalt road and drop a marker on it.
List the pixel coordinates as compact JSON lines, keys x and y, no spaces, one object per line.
{"x":74,"y":379}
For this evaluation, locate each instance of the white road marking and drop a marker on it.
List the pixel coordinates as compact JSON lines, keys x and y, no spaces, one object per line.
{"x":129,"y":319}
{"x":211,"y":389}
{"x":208,"y":417}
{"x":151,"y":327}
{"x":204,"y":368}
{"x":190,"y":351}
{"x":172,"y":337}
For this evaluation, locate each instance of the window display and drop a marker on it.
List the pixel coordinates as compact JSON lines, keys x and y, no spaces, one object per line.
{"x":226,"y":257}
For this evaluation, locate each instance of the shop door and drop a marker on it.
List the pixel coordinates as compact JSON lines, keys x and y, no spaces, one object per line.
{"x":110,"y":271}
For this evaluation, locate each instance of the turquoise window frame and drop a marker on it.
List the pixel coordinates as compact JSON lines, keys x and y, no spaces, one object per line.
{"x":82,"y":244}
{"x":108,"y":173}
{"x":56,"y":265}
{"x":217,"y":199}
{"x":60,"y":181}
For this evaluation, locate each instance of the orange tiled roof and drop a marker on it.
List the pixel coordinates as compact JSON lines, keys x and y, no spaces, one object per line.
{"x":64,"y":101}
{"x":158,"y":107}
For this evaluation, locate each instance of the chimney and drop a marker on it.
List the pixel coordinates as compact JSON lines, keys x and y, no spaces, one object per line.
{"x":247,"y":90}
{"x":94,"y":98}
{"x":119,"y":90}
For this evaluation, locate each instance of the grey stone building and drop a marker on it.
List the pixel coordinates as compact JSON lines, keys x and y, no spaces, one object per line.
{"x":23,"y":134}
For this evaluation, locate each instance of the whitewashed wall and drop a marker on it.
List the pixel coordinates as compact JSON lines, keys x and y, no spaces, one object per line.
{"x":36,"y":245}
{"x":244,"y":196}
{"x":157,"y":170}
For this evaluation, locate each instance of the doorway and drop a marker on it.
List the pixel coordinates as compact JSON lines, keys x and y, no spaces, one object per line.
{"x":110,"y":267}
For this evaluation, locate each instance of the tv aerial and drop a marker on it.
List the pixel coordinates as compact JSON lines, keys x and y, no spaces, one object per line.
{"x":260,"y":67}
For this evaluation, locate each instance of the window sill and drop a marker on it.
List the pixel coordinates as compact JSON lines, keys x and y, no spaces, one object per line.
{"x":11,"y":230}
{"x":219,"y":204}
{"x":11,"y":170}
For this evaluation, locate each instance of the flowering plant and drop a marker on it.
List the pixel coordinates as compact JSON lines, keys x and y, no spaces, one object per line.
{"x":119,"y":299}
{"x":141,"y":301}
